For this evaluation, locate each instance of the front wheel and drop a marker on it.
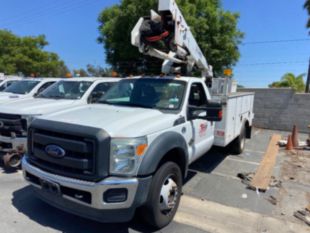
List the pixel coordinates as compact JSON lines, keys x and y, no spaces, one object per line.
{"x":12,"y":160}
{"x":164,"y":196}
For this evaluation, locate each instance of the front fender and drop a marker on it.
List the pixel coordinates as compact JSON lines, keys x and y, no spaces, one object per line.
{"x":159,"y":148}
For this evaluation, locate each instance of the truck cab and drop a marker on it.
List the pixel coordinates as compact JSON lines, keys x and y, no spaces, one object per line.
{"x":130,"y":153}
{"x":25,"y":88}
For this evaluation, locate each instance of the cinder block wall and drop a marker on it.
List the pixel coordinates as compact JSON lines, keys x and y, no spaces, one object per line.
{"x":280,"y":109}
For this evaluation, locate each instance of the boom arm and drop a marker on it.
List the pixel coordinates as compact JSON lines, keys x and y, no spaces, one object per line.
{"x":171,"y":30}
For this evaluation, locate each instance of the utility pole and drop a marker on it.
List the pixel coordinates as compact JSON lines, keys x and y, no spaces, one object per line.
{"x":308,"y":79}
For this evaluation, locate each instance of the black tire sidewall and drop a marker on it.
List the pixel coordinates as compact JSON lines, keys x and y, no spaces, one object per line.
{"x":237,"y":143}
{"x":242,"y":139}
{"x":152,"y":214}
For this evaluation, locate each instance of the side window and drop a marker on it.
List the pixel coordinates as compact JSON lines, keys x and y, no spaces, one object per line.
{"x":9,"y":83}
{"x":102,"y":87}
{"x":6,"y":85}
{"x":197,"y":96}
{"x":3,"y":87}
{"x":99,"y":91}
{"x":44,"y":86}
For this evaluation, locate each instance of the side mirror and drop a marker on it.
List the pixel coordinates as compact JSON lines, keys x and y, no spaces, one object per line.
{"x":211,"y":112}
{"x":95,"y":96}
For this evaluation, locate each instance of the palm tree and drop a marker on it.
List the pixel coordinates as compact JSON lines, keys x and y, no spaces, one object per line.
{"x":307,"y":6}
{"x":290,"y":80}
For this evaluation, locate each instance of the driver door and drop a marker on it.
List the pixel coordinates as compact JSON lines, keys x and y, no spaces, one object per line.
{"x":202,"y":130}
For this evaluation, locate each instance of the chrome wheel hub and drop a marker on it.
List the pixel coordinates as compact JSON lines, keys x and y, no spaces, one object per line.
{"x":242,"y":143}
{"x":168,"y":195}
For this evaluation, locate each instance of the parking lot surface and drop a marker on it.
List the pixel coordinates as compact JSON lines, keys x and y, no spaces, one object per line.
{"x":214,"y":198}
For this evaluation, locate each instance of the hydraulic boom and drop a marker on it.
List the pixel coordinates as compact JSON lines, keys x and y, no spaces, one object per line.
{"x":168,"y":37}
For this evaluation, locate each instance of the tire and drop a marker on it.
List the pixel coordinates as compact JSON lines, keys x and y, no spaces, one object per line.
{"x":12,"y":160}
{"x":238,"y":145}
{"x":156,"y":212}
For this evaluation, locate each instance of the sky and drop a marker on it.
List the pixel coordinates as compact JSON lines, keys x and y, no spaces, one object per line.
{"x":276,"y":39}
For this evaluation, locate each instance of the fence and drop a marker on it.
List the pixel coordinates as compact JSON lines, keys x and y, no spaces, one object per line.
{"x":280,"y":109}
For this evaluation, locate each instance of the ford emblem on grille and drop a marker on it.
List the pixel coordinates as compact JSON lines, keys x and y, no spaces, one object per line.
{"x":55,"y":151}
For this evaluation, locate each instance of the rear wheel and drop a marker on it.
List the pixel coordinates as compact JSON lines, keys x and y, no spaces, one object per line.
{"x":238,"y":145}
{"x":164,"y":196}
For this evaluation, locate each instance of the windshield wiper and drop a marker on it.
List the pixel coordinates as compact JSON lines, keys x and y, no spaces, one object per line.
{"x":14,"y":93}
{"x":55,"y":97}
{"x":124,"y":104}
{"x":40,"y":96}
{"x":135,"y":105}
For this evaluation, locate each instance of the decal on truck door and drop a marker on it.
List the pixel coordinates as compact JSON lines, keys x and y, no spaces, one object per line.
{"x":203,"y":129}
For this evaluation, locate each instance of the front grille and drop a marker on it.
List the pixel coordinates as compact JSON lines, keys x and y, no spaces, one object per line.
{"x":79,"y":153}
{"x":86,"y":150}
{"x":12,"y":124}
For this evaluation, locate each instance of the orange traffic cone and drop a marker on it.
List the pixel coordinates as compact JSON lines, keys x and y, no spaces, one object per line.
{"x":289,"y":144}
{"x":295,"y":136}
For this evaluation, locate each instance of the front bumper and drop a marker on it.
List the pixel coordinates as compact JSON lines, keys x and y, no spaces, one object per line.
{"x":9,"y":144}
{"x":97,"y":209}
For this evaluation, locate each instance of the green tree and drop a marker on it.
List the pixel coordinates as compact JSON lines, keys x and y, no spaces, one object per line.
{"x":214,"y":28}
{"x":307,"y":6}
{"x":26,"y":55}
{"x":290,"y":80}
{"x":98,"y":71}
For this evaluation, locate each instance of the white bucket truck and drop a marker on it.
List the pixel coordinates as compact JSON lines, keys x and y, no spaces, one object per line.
{"x":131,"y":151}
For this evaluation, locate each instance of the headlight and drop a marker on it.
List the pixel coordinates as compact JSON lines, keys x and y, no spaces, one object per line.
{"x":126,"y":155}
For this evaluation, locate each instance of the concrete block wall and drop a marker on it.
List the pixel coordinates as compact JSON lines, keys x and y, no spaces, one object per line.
{"x":280,"y":108}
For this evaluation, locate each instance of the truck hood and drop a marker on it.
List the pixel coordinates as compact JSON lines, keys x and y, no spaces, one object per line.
{"x":35,"y":106}
{"x":117,"y":121}
{"x":8,"y":97}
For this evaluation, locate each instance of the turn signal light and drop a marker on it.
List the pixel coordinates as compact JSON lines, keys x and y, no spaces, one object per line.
{"x":140,"y":149}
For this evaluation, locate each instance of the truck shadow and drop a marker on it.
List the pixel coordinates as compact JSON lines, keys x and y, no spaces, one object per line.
{"x":6,"y":170}
{"x":26,"y":203}
{"x":208,"y":162}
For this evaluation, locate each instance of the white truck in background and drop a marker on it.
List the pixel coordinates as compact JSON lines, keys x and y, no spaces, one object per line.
{"x":64,"y":94}
{"x":131,"y":151}
{"x":6,"y":81}
{"x":25,"y":88}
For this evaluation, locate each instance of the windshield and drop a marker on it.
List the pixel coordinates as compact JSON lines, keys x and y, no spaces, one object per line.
{"x":162,"y":94}
{"x":6,"y":85}
{"x":22,"y":87}
{"x":66,"y":90}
